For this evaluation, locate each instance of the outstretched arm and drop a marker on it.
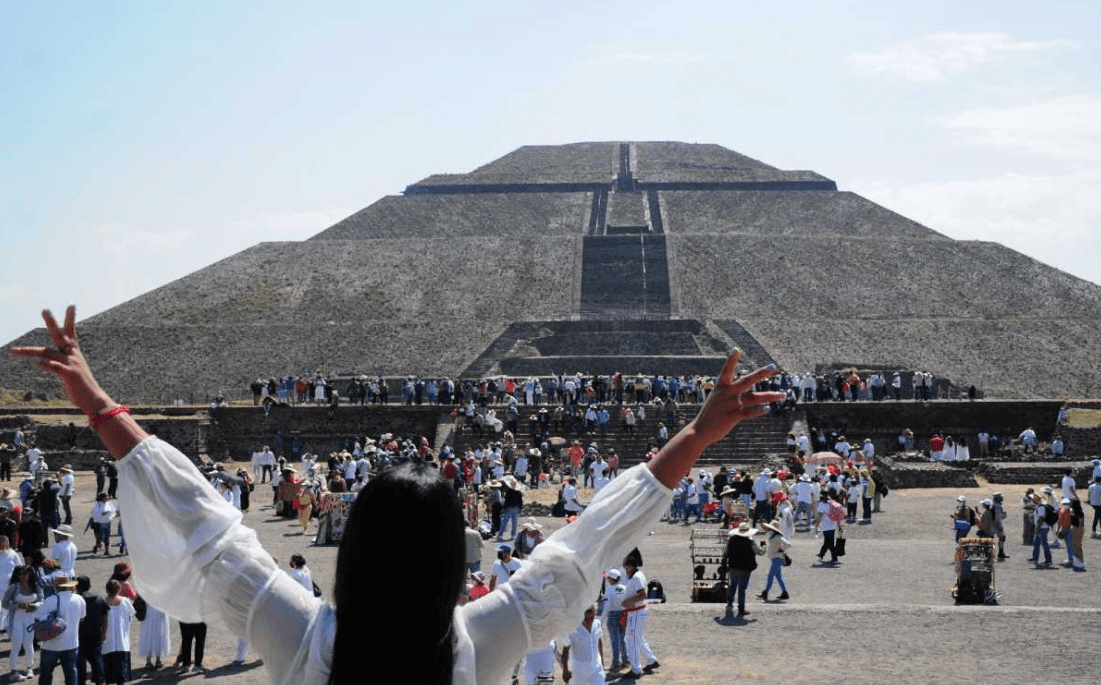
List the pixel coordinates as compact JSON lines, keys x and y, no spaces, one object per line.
{"x":120,"y":433}
{"x":730,"y":402}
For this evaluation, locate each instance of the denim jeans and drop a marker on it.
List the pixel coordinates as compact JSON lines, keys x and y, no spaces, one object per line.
{"x":1041,"y":539}
{"x":509,"y":514}
{"x":103,"y":533}
{"x":90,"y":653}
{"x":693,"y":509}
{"x":776,"y":571}
{"x":616,"y":633}
{"x":680,"y":507}
{"x":736,"y":585}
{"x":49,"y":659}
{"x":1068,"y":536}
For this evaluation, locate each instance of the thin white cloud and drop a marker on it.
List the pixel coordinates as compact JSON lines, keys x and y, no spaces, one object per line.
{"x":1050,"y":218}
{"x":931,"y":59}
{"x":1065,"y":128}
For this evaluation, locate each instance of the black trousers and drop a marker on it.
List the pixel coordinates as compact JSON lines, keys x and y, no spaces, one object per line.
{"x":191,"y":632}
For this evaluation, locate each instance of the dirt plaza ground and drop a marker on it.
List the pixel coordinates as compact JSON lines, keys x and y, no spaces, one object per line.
{"x":883,"y":615}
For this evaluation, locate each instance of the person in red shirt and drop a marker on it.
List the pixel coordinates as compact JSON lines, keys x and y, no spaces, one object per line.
{"x":575,"y":453}
{"x":936,"y":445}
{"x":479,"y":588}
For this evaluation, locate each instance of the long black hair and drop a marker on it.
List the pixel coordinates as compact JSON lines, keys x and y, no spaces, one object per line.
{"x":399,"y":573}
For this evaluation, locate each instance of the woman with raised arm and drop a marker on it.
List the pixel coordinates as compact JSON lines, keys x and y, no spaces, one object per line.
{"x":193,"y":557}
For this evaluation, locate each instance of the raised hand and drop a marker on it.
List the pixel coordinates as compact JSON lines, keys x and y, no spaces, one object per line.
{"x":65,"y":359}
{"x":731,"y":402}
{"x":67,"y":362}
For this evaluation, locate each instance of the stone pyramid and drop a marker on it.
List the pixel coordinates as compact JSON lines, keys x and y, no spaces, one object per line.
{"x":604,"y":257}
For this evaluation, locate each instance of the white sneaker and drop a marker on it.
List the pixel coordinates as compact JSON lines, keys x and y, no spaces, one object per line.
{"x":15,"y":676}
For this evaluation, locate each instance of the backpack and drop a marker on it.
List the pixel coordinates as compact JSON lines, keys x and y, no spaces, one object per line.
{"x":655,"y":591}
{"x":1051,"y":515}
{"x":836,"y":512}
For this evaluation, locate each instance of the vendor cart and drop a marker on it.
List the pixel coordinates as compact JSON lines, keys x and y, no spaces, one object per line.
{"x":707,"y":547}
{"x":975,"y":572}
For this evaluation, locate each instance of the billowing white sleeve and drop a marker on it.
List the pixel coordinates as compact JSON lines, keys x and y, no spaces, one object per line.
{"x":195,"y":560}
{"x":547,"y":597}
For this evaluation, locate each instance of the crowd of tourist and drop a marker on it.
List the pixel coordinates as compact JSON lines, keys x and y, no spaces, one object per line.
{"x":583,"y":388}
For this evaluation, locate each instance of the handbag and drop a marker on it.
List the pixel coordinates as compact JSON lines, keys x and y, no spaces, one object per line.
{"x":787,"y":559}
{"x":48,"y":628}
{"x":839,"y":547}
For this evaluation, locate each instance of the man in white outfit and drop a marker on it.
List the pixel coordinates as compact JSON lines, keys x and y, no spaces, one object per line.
{"x":64,"y":551}
{"x":635,"y":605}
{"x":582,"y":660}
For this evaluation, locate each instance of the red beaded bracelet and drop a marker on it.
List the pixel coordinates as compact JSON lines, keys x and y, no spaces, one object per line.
{"x":102,"y":416}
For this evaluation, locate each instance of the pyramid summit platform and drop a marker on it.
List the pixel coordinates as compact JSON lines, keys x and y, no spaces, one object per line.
{"x":632,"y":257}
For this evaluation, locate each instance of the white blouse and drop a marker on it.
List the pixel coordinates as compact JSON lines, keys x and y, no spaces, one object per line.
{"x":117,"y":638}
{"x":194,"y":559}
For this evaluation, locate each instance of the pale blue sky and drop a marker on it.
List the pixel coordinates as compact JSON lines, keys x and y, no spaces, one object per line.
{"x":140,"y":141}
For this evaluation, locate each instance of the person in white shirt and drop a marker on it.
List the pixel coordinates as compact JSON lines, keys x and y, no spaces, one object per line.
{"x":599,"y":468}
{"x":868,"y":449}
{"x":829,"y":529}
{"x":103,"y":512}
{"x":582,"y":656}
{"x":520,"y":468}
{"x":634,"y":603}
{"x":116,"y":640}
{"x":761,"y":509}
{"x":64,"y":551}
{"x":504,"y":567}
{"x":9,"y":559}
{"x":615,"y":592}
{"x":569,"y":496}
{"x":300,"y":572}
{"x":62,"y":649}
{"x":1028,"y":439}
{"x":66,"y":492}
{"x":804,"y":500}
{"x":804,"y":443}
{"x":692,"y":503}
{"x":1095,"y":502}
{"x":856,"y":491}
{"x":1067,"y":485}
{"x":267,"y":464}
{"x":35,"y":462}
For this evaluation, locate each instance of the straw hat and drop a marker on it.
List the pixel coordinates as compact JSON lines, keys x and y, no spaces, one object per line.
{"x":530,"y":524}
{"x":744,"y":530}
{"x":63,"y":581}
{"x":774,"y":527}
